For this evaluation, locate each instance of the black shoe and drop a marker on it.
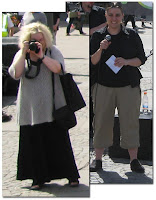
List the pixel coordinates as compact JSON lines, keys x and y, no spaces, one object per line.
{"x":95,"y":165}
{"x":5,"y":117}
{"x":136,"y":166}
{"x":83,"y":33}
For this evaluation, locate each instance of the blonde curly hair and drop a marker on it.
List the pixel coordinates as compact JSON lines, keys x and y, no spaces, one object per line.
{"x":33,"y":28}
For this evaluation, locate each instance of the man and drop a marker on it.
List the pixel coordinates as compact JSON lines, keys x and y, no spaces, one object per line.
{"x":53,"y":21}
{"x":97,"y":18}
{"x":7,"y":26}
{"x":129,"y":14}
{"x":56,"y":22}
{"x":75,"y":18}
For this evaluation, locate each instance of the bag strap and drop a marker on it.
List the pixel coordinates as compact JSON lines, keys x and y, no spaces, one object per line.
{"x":53,"y":89}
{"x":29,"y":62}
{"x":60,"y":63}
{"x":53,"y":82}
{"x":62,"y":69}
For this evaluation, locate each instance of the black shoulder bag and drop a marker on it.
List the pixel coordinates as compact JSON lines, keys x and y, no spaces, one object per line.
{"x":72,"y":93}
{"x":65,"y":115}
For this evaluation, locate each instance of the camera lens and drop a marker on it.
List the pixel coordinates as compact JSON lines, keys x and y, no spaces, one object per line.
{"x":33,"y":46}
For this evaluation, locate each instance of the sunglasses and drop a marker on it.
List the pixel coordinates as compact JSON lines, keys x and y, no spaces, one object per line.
{"x":115,"y":5}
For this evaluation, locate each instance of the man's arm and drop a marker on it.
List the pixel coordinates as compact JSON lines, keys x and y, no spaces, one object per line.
{"x":92,"y":30}
{"x":11,"y":31}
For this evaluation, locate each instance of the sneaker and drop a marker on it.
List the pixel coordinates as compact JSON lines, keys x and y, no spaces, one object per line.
{"x":136,"y":166}
{"x":95,"y":165}
{"x":67,"y":34}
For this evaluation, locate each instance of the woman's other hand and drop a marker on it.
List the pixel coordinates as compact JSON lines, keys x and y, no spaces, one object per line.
{"x":119,"y":62}
{"x":25,"y":48}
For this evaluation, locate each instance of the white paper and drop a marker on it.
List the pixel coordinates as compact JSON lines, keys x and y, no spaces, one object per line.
{"x":110,"y":63}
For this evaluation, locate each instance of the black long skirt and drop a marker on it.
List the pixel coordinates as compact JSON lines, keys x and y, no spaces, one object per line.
{"x":45,"y":153}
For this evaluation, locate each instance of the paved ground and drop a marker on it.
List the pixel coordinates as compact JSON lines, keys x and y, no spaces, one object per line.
{"x":117,"y":171}
{"x":75,"y":50}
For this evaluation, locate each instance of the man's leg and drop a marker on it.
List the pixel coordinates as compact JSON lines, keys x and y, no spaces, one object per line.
{"x":133,"y":21}
{"x":69,"y":25}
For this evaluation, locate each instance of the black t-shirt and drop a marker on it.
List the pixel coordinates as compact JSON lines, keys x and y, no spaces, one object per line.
{"x":96,"y":16}
{"x":127,"y":44}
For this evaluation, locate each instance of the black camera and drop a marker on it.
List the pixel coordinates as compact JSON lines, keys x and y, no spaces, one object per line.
{"x":33,"y":46}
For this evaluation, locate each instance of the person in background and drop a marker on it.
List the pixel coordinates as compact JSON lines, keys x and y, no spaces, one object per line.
{"x":56,"y":22}
{"x":53,"y":20}
{"x":56,"y":17}
{"x":7,"y":31}
{"x":130,"y":18}
{"x":129,"y":15}
{"x":7,"y":25}
{"x":30,"y":17}
{"x":74,"y":18}
{"x":143,"y":18}
{"x":119,"y":90}
{"x":45,"y":151}
{"x":97,"y":18}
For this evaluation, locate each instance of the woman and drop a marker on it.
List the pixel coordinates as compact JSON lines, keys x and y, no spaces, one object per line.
{"x":116,"y":89}
{"x":45,"y":151}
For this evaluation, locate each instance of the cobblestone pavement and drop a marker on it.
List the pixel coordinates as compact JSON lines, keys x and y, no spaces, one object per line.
{"x":75,"y":50}
{"x":117,"y":171}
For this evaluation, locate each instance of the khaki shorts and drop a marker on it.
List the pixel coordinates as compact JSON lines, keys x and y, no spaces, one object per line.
{"x":127,"y":100}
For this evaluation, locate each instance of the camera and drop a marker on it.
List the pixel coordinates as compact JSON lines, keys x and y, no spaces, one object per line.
{"x":33,"y":46}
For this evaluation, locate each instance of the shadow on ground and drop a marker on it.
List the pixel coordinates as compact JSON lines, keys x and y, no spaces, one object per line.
{"x":109,"y":177}
{"x":64,"y":191}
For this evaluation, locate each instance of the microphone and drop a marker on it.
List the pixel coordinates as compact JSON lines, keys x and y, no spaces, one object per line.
{"x":108,"y":38}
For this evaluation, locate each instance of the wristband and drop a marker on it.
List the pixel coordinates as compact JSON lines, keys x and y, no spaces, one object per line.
{"x":42,"y":58}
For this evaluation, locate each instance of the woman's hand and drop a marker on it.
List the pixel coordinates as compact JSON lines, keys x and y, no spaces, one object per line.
{"x":104,"y":44}
{"x":119,"y":62}
{"x":95,"y":58}
{"x":25,"y":48}
{"x":40,"y":53}
{"x":134,"y":62}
